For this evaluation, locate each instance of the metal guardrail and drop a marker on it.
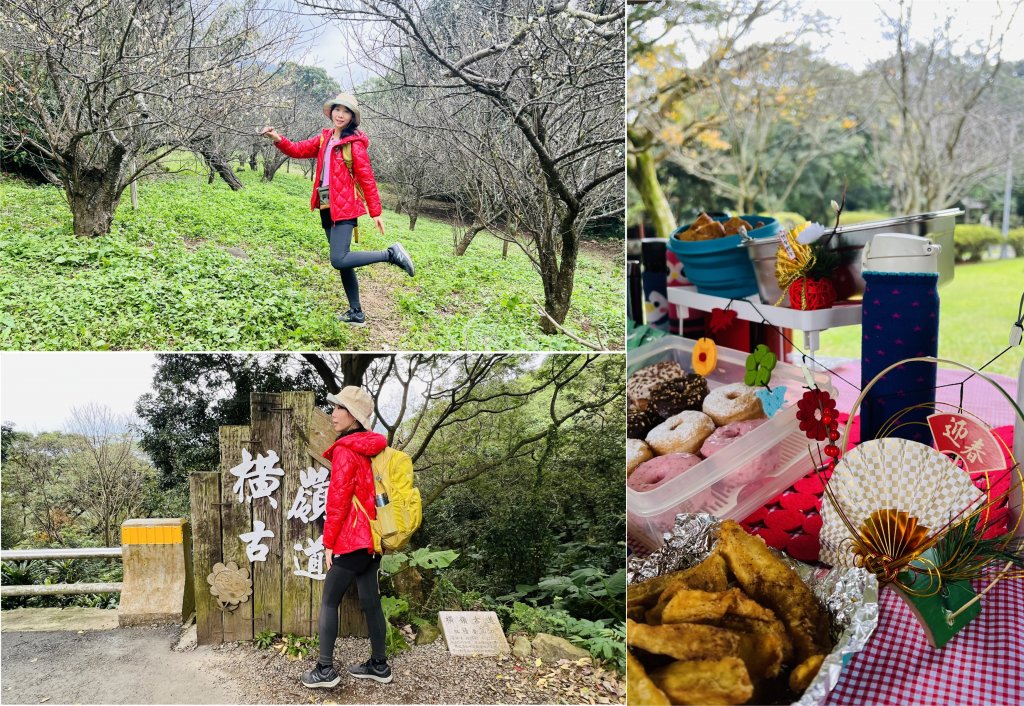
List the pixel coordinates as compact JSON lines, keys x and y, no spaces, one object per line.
{"x":60,"y":589}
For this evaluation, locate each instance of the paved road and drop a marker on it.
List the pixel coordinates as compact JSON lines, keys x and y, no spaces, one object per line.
{"x":62,"y":667}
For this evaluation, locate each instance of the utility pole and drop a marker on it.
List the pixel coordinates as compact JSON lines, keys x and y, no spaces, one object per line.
{"x":1007,"y":195}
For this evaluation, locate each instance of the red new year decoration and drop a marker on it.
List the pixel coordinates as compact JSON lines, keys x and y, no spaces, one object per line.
{"x":967,"y":439}
{"x":721,"y":319}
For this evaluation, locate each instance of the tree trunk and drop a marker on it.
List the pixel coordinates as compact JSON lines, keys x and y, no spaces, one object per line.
{"x":558,"y":277}
{"x":252,"y":161}
{"x":414,"y":212}
{"x":270,"y":169}
{"x":92,"y":200}
{"x":211,"y":176}
{"x":220,"y":165}
{"x":463,"y":244}
{"x":644,"y":176}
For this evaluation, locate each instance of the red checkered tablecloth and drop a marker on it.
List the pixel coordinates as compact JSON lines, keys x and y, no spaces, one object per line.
{"x":982,"y":666}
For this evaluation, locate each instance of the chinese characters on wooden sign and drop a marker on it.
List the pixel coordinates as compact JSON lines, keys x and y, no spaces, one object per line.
{"x":259,"y":478}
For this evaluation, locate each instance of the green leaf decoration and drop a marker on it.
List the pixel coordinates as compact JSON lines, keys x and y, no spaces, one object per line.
{"x":759,"y":366}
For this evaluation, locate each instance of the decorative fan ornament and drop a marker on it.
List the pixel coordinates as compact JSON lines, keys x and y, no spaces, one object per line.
{"x":896,"y":497}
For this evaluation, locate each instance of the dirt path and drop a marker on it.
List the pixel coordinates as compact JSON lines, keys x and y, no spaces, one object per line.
{"x":143,"y":666}
{"x":426,"y":674}
{"x":120,"y":666}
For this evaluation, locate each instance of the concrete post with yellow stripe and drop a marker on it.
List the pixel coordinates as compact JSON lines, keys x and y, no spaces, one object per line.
{"x":157,"y":557}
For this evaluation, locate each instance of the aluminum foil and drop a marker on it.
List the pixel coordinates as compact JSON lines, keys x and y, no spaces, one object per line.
{"x":849,"y":596}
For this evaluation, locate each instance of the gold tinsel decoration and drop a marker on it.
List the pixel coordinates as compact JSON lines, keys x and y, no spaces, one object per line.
{"x":793,"y":260}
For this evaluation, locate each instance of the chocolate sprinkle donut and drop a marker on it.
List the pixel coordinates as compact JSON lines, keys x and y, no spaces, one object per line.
{"x":675,"y":396}
{"x":640,"y":419}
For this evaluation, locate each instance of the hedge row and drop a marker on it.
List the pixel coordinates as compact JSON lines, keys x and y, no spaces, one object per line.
{"x":971,"y":242}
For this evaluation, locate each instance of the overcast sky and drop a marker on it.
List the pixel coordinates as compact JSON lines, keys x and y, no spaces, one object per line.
{"x":39,"y":390}
{"x":857,"y":30}
{"x":327,"y":46}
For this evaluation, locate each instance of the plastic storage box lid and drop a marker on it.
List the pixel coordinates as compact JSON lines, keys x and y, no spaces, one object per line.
{"x":779,"y":438}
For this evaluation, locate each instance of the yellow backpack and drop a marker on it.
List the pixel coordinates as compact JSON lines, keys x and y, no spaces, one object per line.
{"x":403,"y":513}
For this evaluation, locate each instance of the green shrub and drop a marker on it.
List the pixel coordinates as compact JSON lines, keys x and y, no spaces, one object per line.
{"x":1016,"y":238}
{"x":604,"y":639}
{"x":970,"y":241}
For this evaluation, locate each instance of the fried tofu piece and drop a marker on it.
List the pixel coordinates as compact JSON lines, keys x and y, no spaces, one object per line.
{"x":761,"y":653}
{"x":689,"y":606}
{"x":772,"y":631}
{"x":803,"y":674}
{"x":685,"y":641}
{"x":639,"y":687}
{"x":734,"y":224}
{"x":770,"y":582}
{"x":720,"y":681}
{"x":709,"y":575}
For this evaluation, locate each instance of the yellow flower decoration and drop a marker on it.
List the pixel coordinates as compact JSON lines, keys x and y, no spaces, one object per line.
{"x":705,"y":357}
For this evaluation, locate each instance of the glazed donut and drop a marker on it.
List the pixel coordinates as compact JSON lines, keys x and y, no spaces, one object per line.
{"x":684,"y":432}
{"x":651,"y":474}
{"x":724,"y":436}
{"x":732,"y":403}
{"x":636,"y":453}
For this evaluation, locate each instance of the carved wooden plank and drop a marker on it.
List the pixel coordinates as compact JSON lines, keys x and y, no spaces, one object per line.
{"x":204,"y":491}
{"x":236,"y":519}
{"x":296,"y":591}
{"x":266,"y":418}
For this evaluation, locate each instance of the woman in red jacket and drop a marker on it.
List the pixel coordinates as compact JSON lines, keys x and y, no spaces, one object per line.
{"x":348,"y":541}
{"x":349,"y":194}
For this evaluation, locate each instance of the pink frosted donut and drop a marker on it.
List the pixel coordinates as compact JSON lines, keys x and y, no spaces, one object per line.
{"x":723,"y":436}
{"x":732,"y":403}
{"x":636,"y":453}
{"x":651,"y":474}
{"x":684,"y":432}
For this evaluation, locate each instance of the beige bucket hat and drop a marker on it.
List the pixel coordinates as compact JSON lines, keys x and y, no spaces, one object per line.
{"x":347,"y":100}
{"x":358,"y":403}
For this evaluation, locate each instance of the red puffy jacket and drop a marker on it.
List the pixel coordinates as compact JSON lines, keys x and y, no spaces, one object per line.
{"x":345,"y":203}
{"x":346,"y":528}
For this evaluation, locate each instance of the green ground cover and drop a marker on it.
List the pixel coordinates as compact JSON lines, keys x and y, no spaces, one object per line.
{"x":199,"y":267}
{"x":976,"y":311}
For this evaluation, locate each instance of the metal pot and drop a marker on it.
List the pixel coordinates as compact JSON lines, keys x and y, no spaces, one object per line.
{"x":849,"y":241}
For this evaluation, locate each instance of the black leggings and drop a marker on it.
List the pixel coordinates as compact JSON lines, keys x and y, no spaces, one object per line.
{"x":362,"y":567}
{"x":339,"y":235}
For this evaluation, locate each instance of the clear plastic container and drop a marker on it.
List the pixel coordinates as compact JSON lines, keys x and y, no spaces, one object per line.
{"x":737,"y":480}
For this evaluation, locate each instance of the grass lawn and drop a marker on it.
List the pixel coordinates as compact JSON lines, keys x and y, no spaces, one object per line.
{"x":976,"y":311}
{"x":199,"y":267}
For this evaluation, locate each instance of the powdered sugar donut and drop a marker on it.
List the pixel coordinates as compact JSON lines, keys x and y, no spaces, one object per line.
{"x":651,"y":474}
{"x":732,"y":403}
{"x":684,"y":432}
{"x":636,"y":453}
{"x":723,"y":436}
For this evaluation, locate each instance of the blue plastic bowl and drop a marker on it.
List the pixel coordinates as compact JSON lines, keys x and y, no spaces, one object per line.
{"x":721,"y":267}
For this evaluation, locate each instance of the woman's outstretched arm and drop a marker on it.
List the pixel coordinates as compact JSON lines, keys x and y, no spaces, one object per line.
{"x":295,"y":150}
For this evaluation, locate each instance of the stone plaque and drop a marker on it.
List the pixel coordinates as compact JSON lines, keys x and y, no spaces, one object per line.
{"x":473,"y":633}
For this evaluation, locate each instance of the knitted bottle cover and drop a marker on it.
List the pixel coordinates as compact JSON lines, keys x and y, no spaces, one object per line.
{"x":901,"y":320}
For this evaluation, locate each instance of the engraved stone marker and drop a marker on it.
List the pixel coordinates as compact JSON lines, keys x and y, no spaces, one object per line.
{"x":473,"y":633}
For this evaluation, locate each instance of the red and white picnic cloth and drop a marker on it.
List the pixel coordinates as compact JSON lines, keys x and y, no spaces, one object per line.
{"x":981,"y":666}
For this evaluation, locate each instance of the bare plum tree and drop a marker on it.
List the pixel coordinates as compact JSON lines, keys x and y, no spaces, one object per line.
{"x":530,"y":92}
{"x":102,"y":90}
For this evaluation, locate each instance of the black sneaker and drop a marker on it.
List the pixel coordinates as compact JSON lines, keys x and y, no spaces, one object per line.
{"x":370,"y":670}
{"x":321,"y":677}
{"x":401,"y":258}
{"x":356,"y":318}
